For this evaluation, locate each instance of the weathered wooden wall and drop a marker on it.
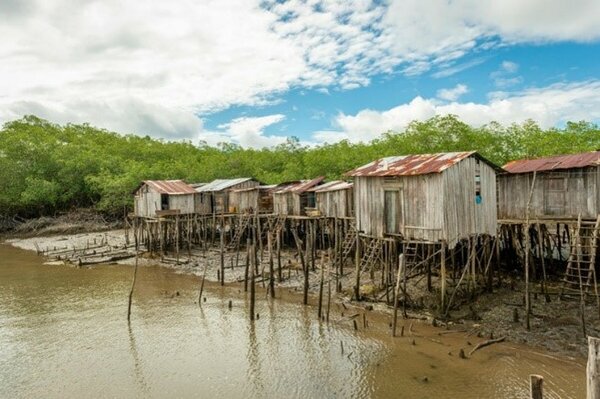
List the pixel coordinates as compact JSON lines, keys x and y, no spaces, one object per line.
{"x":183,"y":202}
{"x":244,"y":200}
{"x":202,"y":203}
{"x":337,"y":203}
{"x":463,"y":215}
{"x":146,"y":202}
{"x":557,"y":194}
{"x":287,"y":203}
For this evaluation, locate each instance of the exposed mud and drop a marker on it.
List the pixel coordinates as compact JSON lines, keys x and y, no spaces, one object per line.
{"x":555,"y":325}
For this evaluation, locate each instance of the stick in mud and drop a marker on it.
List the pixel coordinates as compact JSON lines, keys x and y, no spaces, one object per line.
{"x":202,"y":283}
{"x":252,"y":287}
{"x":396,"y":293}
{"x":132,"y":287}
{"x":319,"y":312}
{"x":536,"y":386}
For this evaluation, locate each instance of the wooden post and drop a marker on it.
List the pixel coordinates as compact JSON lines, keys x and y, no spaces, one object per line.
{"x":252,"y":287}
{"x":132,"y":287}
{"x":357,"y":266}
{"x":443,"y":276}
{"x":246,"y":268}
{"x":221,"y":252}
{"x":329,"y":285}
{"x":319,"y":312}
{"x":279,"y":277}
{"x":536,"y":386}
{"x":397,"y":292}
{"x":306,"y":267}
{"x":203,"y":279}
{"x":593,"y":368}
{"x":271,"y":269}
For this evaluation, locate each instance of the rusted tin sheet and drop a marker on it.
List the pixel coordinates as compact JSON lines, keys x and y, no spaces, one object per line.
{"x":301,"y":186}
{"x":559,"y":162}
{"x":222,"y":184}
{"x":332,"y":186}
{"x":172,"y":187}
{"x":410,"y":165}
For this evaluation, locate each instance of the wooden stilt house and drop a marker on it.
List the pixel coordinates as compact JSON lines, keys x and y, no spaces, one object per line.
{"x":334,"y":199}
{"x":153,"y":198}
{"x":249,"y":200}
{"x":565,"y":187}
{"x":214,"y":196}
{"x":427,"y":197}
{"x":294,"y":198}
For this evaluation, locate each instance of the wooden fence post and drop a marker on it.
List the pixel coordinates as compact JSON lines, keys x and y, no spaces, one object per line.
{"x":536,"y":386}
{"x":593,"y":368}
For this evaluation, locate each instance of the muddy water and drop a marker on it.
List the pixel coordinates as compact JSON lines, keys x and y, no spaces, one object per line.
{"x":63,"y":333}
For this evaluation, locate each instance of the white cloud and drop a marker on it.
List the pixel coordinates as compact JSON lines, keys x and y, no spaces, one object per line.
{"x":548,"y":106}
{"x":152,"y":67}
{"x":248,"y":131}
{"x":452,"y":94}
{"x":505,"y":76}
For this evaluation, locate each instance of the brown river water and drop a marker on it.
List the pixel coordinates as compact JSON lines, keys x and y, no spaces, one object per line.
{"x":64,"y":334}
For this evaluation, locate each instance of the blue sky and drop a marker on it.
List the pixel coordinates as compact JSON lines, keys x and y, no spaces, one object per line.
{"x":255,"y":73}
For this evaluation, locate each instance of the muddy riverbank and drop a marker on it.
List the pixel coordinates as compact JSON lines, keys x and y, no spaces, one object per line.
{"x":555,"y":325}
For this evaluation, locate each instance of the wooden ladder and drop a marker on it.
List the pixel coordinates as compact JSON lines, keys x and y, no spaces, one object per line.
{"x":580,"y":273}
{"x":349,"y":242}
{"x":371,"y":253}
{"x":243,"y":225}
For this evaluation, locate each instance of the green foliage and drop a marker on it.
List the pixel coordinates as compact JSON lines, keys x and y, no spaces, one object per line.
{"x":45,"y":168}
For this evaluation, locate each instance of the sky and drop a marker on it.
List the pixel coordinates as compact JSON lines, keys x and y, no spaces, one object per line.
{"x":254,"y":73}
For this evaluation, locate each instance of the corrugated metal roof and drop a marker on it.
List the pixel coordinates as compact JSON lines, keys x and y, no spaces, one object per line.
{"x":222,"y":184}
{"x":172,"y":187}
{"x":554,"y":163}
{"x":332,"y":186}
{"x":409,"y":165}
{"x":301,"y":186}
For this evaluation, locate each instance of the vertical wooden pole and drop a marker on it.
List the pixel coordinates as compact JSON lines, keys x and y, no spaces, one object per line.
{"x":271,"y":268}
{"x":279,"y":276}
{"x":321,"y":283}
{"x":252,"y":287}
{"x":443,"y":275}
{"x":536,"y":386}
{"x":306,"y":267}
{"x":132,"y":287}
{"x":397,"y":293}
{"x":357,"y":266}
{"x":247,"y":266}
{"x":593,"y":368}
{"x":222,"y":252}
{"x":329,"y":284}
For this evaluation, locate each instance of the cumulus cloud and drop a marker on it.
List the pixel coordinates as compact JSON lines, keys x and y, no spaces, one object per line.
{"x":154,"y":67}
{"x":452,"y":94}
{"x":548,"y":106}
{"x":249,"y":131}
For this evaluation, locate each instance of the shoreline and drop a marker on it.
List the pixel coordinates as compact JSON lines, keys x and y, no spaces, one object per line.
{"x":555,"y":326}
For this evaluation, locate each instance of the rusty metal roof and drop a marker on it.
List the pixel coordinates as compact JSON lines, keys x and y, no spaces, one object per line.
{"x":173,"y":187}
{"x":332,"y":186}
{"x":222,"y":184}
{"x":411,"y":165}
{"x":558,"y":162}
{"x":300,"y":186}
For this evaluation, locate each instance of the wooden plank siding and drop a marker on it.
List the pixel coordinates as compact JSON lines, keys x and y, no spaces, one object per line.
{"x":557,"y":194}
{"x":338,"y":203}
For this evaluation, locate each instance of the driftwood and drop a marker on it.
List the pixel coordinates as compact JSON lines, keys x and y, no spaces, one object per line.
{"x":486,"y":343}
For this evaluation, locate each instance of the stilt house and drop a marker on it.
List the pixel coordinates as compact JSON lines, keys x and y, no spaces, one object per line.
{"x":214,"y":196}
{"x":565,"y":186}
{"x":427,"y":197}
{"x":294,"y":198}
{"x":249,"y":200}
{"x":334,"y":199}
{"x":155,"y":198}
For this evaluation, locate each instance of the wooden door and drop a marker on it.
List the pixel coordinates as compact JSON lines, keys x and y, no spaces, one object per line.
{"x":392,"y":211}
